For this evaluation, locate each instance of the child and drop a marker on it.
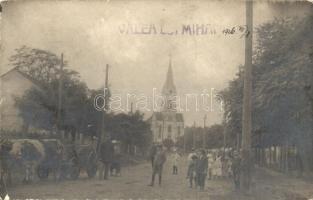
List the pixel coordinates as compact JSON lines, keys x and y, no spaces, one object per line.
{"x":175,"y":159}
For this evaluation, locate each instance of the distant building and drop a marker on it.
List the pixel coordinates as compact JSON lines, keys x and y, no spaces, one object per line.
{"x":14,"y":83}
{"x":167,"y":123}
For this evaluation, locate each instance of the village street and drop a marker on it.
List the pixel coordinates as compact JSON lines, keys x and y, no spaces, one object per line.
{"x":133,"y":184}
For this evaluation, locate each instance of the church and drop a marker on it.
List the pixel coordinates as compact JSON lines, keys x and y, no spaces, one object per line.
{"x":167,"y":123}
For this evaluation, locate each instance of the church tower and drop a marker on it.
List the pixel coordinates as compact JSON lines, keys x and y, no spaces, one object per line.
{"x":168,"y":123}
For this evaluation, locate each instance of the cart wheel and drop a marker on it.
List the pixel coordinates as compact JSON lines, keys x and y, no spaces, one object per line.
{"x":42,"y":172}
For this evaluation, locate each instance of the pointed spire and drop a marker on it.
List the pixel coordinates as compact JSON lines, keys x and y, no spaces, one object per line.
{"x":169,"y":87}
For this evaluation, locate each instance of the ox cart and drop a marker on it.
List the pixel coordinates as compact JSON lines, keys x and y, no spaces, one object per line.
{"x":25,"y":158}
{"x":66,"y":161}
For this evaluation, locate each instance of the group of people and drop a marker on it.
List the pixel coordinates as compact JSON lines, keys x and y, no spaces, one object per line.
{"x":212,"y":165}
{"x":197,"y":168}
{"x":202,"y":165}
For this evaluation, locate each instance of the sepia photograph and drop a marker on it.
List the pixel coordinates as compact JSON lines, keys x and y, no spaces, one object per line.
{"x":177,"y":99}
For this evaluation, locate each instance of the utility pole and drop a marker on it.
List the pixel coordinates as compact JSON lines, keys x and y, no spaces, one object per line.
{"x":204,"y":132}
{"x":163,"y":128}
{"x":60,"y":91}
{"x":185,"y":149}
{"x":194,"y":135}
{"x":245,"y":178}
{"x":131,"y":108}
{"x":106,"y":89}
{"x":224,"y":137}
{"x":224,"y":118}
{"x":102,"y":135}
{"x":106,"y":101}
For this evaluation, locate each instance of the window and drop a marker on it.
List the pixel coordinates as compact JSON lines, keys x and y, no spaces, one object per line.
{"x":178,"y":130}
{"x":169,"y":105}
{"x":160,"y":131}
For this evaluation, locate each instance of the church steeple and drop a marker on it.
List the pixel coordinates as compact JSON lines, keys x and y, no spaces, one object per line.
{"x":169,"y":86}
{"x":169,"y":90}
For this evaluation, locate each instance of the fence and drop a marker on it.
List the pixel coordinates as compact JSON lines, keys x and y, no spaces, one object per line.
{"x":283,"y":158}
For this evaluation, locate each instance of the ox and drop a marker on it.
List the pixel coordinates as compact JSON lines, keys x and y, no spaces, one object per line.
{"x":26,"y":155}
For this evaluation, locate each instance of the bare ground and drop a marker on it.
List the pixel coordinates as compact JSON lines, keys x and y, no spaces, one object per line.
{"x":133,"y":184}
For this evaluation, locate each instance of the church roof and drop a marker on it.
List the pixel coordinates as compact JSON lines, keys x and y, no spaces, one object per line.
{"x":160,"y":116}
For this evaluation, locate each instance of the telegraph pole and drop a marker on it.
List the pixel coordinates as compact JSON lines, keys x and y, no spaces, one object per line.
{"x":185,"y":149}
{"x":194,"y":135}
{"x":102,"y":134}
{"x":245,"y":178}
{"x":204,"y":132}
{"x":106,"y":101}
{"x":60,"y":91}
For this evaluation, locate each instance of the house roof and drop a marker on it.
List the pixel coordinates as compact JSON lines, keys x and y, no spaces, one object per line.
{"x":37,"y":83}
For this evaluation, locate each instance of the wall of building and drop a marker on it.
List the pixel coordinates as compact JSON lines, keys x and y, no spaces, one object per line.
{"x":13,"y":84}
{"x":160,"y":129}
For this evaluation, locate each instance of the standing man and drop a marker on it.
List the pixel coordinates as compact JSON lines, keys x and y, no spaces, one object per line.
{"x":192,"y":171}
{"x":5,"y":171}
{"x":190,"y":161}
{"x":158,"y":163}
{"x":106,"y":156}
{"x":202,"y":169}
{"x":152,"y":153}
{"x":236,"y":170}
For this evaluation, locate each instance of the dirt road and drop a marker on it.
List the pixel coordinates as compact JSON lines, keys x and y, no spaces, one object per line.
{"x":133,"y":184}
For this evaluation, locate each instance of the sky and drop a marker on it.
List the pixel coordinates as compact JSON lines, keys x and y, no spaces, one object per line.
{"x":92,"y":34}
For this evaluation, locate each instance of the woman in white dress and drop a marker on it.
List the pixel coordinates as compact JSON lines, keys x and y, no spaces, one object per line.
{"x":217,"y":167}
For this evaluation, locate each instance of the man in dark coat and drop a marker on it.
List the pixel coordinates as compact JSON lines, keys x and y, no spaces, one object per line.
{"x":201,"y":169}
{"x":5,"y":172}
{"x":192,"y":171}
{"x":236,"y":169}
{"x":152,"y":153}
{"x":106,"y":157}
{"x":158,"y":163}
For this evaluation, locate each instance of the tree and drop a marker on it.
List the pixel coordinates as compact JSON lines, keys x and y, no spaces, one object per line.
{"x":215,"y":135}
{"x":284,"y":69}
{"x":232,"y":99}
{"x":282,"y":82}
{"x":39,"y":105}
{"x":41,"y":65}
{"x":131,"y":129}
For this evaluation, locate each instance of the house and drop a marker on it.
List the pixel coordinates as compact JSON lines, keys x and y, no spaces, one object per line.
{"x":14,"y":84}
